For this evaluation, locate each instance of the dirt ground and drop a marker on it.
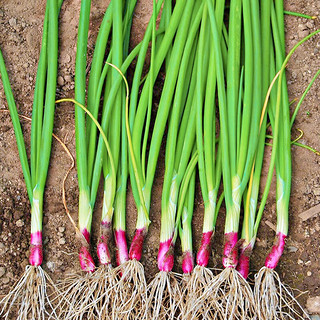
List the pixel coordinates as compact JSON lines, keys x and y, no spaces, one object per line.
{"x":20,"y":39}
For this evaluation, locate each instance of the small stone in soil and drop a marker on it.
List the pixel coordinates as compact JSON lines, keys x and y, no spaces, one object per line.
{"x":316,"y":191}
{"x":62,"y":241}
{"x":2,"y":271}
{"x":60,"y":81}
{"x":310,"y":24}
{"x":13,"y":22}
{"x":51,"y":265}
{"x":24,"y":263}
{"x":313,"y":304}
{"x":68,"y":78}
{"x":20,"y":223}
{"x":292,"y":249}
{"x":66,"y":59}
{"x":62,"y":229}
{"x":309,"y":273}
{"x":302,"y":34}
{"x":3,"y":248}
{"x":17,"y":215}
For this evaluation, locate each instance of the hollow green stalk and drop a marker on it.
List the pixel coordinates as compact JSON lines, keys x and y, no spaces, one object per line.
{"x":164,"y":22}
{"x":115,"y":124}
{"x":119,"y":224}
{"x":48,"y":117}
{"x":151,"y":71}
{"x":85,"y":208}
{"x":260,"y":52}
{"x":96,"y":67}
{"x":209,"y":159}
{"x":298,"y":14}
{"x":227,"y":110}
{"x":16,"y":126}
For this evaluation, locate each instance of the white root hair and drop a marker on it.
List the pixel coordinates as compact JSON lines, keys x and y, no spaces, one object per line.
{"x":194,"y":303}
{"x":233,"y":295}
{"x":77,"y":296}
{"x":163,"y":297}
{"x":274,"y":300}
{"x":29,"y":298}
{"x":129,"y":300}
{"x":101,"y":284}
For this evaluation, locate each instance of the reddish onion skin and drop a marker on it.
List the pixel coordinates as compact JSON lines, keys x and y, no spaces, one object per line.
{"x":86,"y":261}
{"x":102,"y":247}
{"x":187,"y":262}
{"x":103,"y":253}
{"x":204,"y":250}
{"x":122,"y":248}
{"x":36,"y":238}
{"x":165,"y":256}
{"x":137,"y":243}
{"x":230,"y":253}
{"x":86,"y":234}
{"x":276,"y":251}
{"x":36,"y":254}
{"x":244,"y":261}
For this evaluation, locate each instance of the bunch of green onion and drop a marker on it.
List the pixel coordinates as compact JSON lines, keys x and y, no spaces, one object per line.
{"x":106,"y":153}
{"x":224,"y":88}
{"x":29,"y":297}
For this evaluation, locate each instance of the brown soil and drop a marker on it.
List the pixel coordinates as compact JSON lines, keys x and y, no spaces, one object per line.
{"x":20,"y":39}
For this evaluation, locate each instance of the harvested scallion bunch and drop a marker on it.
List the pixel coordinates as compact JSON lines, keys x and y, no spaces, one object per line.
{"x":30,"y":298}
{"x":209,"y":169}
{"x":142,"y":169}
{"x":74,"y":303}
{"x":115,"y":169}
{"x":163,"y":290}
{"x":100,"y":284}
{"x":164,"y":294}
{"x":261,"y":56}
{"x":273,"y":299}
{"x":237,"y":120}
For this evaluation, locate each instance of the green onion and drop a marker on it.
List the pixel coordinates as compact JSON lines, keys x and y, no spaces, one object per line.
{"x":33,"y":300}
{"x":298,"y":14}
{"x":209,"y":170}
{"x":267,"y":282}
{"x":85,"y":208}
{"x":179,"y":145}
{"x":238,"y":125}
{"x":185,"y":227}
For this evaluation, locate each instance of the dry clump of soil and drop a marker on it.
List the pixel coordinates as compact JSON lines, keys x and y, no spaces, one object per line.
{"x":20,"y":30}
